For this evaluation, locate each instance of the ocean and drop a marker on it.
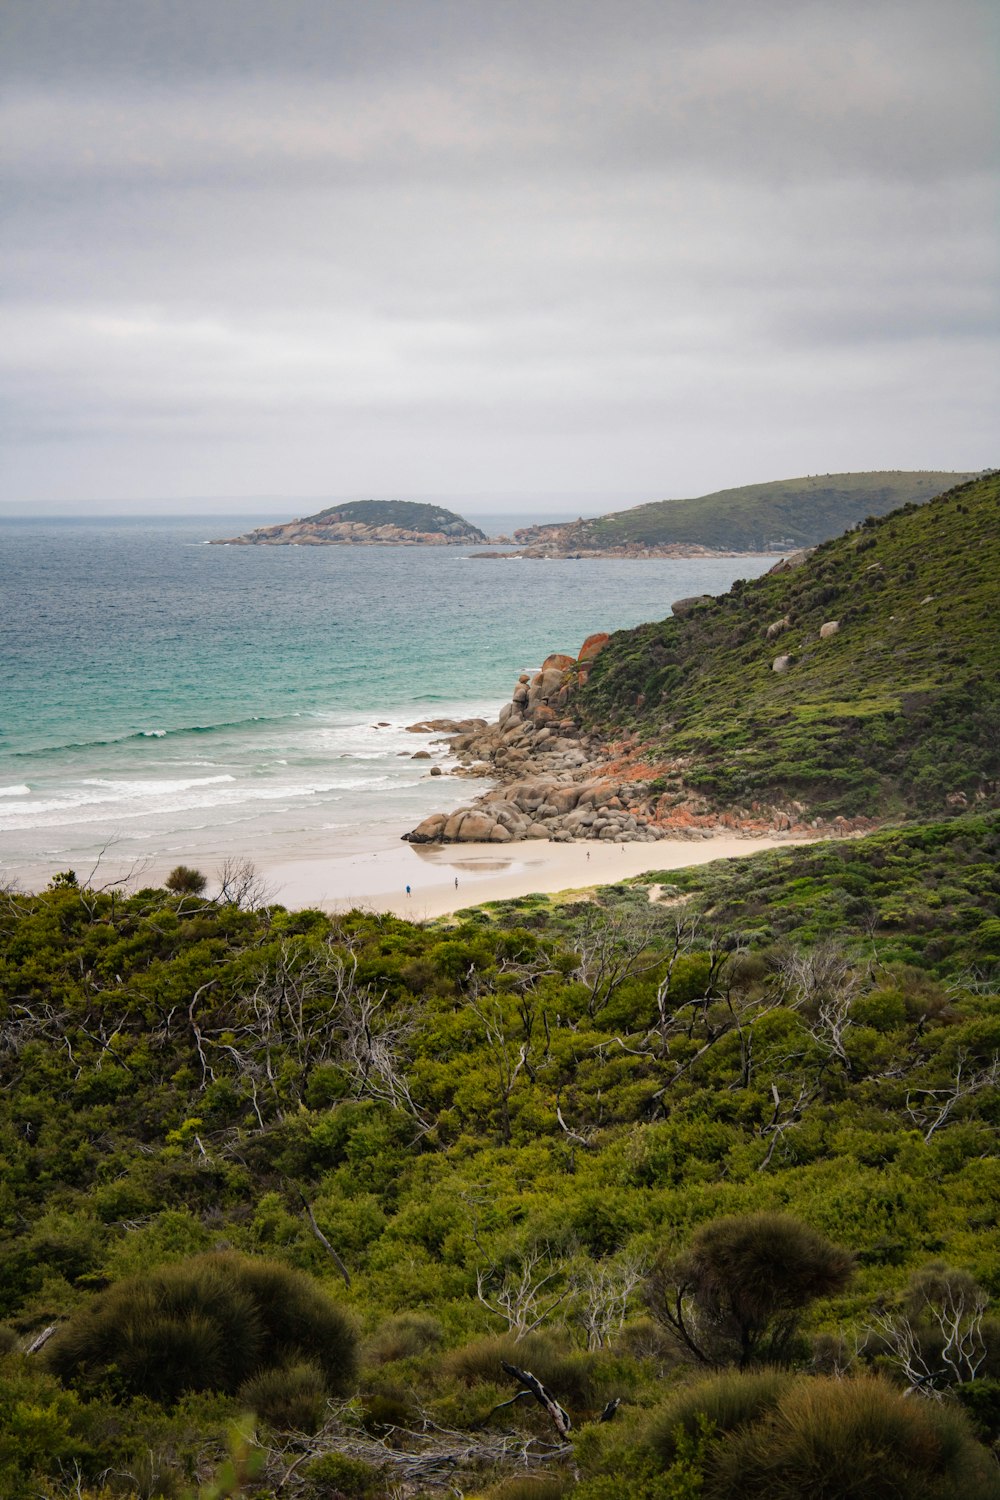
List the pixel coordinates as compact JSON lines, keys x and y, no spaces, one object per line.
{"x":163,"y":701}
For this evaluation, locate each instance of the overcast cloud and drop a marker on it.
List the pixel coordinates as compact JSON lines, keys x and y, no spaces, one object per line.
{"x":493,"y":247}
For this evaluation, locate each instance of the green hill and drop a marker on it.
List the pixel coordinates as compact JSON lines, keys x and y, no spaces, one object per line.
{"x":756,"y":517}
{"x":897,"y":712}
{"x":409,"y":515}
{"x":367,"y":523}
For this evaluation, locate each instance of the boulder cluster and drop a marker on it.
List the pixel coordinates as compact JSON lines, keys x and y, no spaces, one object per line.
{"x":549,"y":771}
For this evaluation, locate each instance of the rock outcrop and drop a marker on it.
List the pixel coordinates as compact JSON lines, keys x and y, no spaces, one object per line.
{"x":555,"y":781}
{"x":682,"y":607}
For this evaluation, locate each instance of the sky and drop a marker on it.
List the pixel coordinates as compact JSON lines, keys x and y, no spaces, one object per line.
{"x":524,"y":251}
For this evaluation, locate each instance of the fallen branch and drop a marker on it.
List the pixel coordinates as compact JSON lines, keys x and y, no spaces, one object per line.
{"x":42,"y":1339}
{"x":533,"y":1386}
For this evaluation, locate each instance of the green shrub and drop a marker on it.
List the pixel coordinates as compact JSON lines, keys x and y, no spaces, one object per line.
{"x":41,"y":1428}
{"x":570,"y":1374}
{"x":404,"y":1337}
{"x":334,"y":1475}
{"x":833,"y":1439}
{"x":207,"y":1323}
{"x":390,"y":1407}
{"x":531,"y":1487}
{"x":290,"y":1397}
{"x":184,"y":881}
{"x":645,"y":1338}
{"x":726,"y":1403}
{"x":981,"y":1400}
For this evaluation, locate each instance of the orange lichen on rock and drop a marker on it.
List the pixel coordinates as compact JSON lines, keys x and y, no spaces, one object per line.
{"x":593,"y":644}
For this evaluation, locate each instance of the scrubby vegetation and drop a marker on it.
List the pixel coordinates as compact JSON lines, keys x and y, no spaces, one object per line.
{"x":349,"y":1180}
{"x":894,"y":713}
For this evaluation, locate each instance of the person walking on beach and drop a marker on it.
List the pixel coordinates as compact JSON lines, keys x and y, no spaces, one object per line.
{"x":407,"y":890}
{"x":456,"y":882}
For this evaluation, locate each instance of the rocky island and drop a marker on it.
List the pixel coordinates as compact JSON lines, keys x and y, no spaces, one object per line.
{"x":366,"y":523}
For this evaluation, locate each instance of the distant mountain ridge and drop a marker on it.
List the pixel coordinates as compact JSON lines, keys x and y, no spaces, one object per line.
{"x":367,"y":523}
{"x":778,"y":516}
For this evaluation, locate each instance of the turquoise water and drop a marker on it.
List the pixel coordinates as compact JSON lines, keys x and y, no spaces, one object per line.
{"x":169,"y":700}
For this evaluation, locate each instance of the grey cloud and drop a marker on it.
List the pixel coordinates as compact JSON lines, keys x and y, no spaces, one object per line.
{"x":779,"y":108}
{"x":464,"y":237}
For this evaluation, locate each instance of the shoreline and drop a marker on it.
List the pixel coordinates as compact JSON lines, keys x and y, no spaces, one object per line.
{"x":372,"y":871}
{"x":376,"y":879}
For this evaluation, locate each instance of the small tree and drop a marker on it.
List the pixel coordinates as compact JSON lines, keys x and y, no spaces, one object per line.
{"x":184,"y":881}
{"x":736,"y":1296}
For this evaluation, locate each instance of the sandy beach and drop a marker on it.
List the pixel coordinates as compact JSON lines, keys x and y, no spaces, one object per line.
{"x":377,"y":879}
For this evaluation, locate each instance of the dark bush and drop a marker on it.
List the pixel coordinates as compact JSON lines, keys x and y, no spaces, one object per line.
{"x":736,"y":1295}
{"x":184,"y":881}
{"x":297,"y":1317}
{"x":211,"y":1322}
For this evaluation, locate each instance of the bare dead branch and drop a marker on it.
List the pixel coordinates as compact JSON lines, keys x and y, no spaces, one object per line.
{"x":324,"y":1241}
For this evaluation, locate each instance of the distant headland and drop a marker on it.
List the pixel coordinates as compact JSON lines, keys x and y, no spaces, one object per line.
{"x":778,"y":517}
{"x":366,"y":523}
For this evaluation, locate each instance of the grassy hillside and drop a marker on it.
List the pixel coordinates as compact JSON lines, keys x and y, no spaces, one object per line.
{"x":409,"y":514}
{"x":504,"y":1129}
{"x":896,"y":713}
{"x":762,"y":517}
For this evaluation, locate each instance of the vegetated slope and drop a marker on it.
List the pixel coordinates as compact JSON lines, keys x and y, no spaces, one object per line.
{"x":370,"y":522}
{"x":898,"y":712}
{"x":925,"y":896}
{"x":409,"y":514}
{"x":507,"y":1119}
{"x":755,"y":517}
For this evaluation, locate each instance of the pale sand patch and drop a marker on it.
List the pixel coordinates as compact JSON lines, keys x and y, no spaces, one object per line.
{"x":376,"y":880}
